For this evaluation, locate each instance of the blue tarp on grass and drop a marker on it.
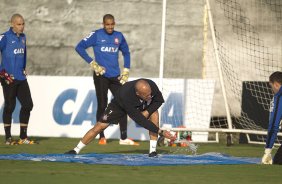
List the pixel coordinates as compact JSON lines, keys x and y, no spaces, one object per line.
{"x":135,"y":159}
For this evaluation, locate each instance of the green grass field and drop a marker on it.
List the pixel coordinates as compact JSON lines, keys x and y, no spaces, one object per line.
{"x":30,"y":172}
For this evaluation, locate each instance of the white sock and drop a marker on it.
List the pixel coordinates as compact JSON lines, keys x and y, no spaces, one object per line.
{"x":153,"y":145}
{"x":79,"y":147}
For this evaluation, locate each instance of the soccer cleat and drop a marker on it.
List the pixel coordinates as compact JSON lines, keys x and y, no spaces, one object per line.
{"x":102,"y":141}
{"x":26,"y":141}
{"x":71,"y":152}
{"x":153,"y":154}
{"x":10,"y":141}
{"x":128,"y":142}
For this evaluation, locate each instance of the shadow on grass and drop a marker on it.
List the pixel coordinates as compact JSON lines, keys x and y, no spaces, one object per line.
{"x":39,"y":138}
{"x":160,"y":151}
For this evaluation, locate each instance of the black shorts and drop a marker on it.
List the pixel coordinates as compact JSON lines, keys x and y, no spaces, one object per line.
{"x":113,"y":114}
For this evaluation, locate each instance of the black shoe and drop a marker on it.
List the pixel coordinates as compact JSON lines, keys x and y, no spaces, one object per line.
{"x":153,"y":154}
{"x":71,"y":152}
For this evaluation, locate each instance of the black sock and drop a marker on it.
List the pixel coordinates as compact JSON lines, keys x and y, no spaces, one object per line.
{"x":8,"y":131}
{"x":23,"y":133}
{"x":102,"y":135}
{"x":123,"y":134}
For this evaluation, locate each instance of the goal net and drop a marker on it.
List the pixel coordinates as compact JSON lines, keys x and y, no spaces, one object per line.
{"x":241,"y":46}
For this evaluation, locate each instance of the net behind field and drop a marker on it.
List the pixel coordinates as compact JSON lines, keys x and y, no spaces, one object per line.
{"x":248,"y":37}
{"x":250,"y":50}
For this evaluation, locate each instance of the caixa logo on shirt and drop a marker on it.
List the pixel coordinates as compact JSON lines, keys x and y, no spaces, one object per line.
{"x":109,"y":49}
{"x":19,"y":51}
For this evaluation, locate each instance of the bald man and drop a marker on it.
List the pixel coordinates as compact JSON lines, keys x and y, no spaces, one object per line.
{"x":13,"y":79}
{"x":140,"y":100}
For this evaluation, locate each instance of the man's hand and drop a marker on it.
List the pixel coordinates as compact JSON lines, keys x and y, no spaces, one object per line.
{"x":99,"y":70}
{"x":124,"y":76}
{"x":166,"y":134}
{"x":267,"y":158}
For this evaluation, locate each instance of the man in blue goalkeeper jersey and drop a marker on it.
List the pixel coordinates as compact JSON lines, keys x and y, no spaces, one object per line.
{"x":106,"y":44}
{"x":13,"y":79}
{"x":275,"y":81}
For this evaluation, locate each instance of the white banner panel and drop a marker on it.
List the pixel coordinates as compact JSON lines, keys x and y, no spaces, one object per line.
{"x":199,"y":96}
{"x":188,"y":103}
{"x":66,"y":107}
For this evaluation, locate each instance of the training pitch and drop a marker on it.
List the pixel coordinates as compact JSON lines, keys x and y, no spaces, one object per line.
{"x":18,"y":171}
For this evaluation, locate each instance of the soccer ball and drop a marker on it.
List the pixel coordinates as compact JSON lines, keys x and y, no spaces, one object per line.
{"x":185,"y":135}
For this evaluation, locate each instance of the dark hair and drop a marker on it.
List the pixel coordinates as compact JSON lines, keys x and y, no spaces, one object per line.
{"x":108,"y":16}
{"x":276,"y":77}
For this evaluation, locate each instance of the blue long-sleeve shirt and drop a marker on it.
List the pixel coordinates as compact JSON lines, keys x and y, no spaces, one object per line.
{"x":274,"y":119}
{"x":106,"y":50}
{"x":13,"y":54}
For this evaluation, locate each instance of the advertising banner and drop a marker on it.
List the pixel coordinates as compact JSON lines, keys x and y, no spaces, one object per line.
{"x":66,"y":107}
